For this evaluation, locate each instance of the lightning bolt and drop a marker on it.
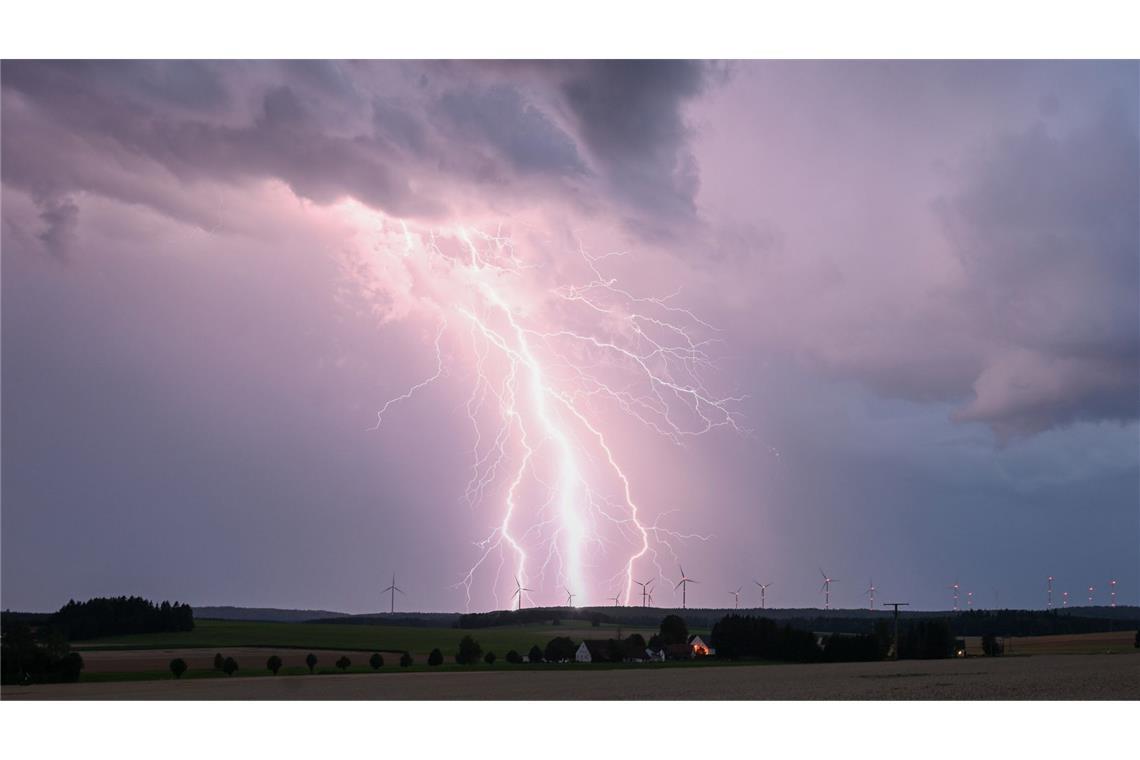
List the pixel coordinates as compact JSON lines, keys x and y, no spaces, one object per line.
{"x":550,"y":365}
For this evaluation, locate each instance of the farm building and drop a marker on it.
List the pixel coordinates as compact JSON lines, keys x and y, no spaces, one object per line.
{"x":610,"y":650}
{"x":699,"y":647}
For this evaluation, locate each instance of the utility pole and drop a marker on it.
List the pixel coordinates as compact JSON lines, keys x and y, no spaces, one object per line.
{"x":896,"y":605}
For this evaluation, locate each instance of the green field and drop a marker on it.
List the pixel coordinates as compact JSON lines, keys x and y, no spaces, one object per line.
{"x":226,"y":633}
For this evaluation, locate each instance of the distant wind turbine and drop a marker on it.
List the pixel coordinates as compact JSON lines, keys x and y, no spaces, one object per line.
{"x":763,"y":588}
{"x":1049,"y":593}
{"x":955,"y":587}
{"x":736,"y":595}
{"x":645,"y":589}
{"x":826,"y":589}
{"x":1112,"y":593}
{"x":616,"y":598}
{"x":393,"y":589}
{"x":1064,"y":598}
{"x":569,"y":598}
{"x":871,"y":593}
{"x":519,"y":591}
{"x":683,"y":584}
{"x":1091,"y":590}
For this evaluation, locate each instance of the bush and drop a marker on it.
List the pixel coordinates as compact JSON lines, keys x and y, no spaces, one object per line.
{"x":178,"y":667}
{"x":343,"y":663}
{"x":311,"y":661}
{"x":219,"y":661}
{"x":514,"y":657}
{"x":376,"y":661}
{"x":469,"y":651}
{"x":435,"y":658}
{"x":405,"y":660}
{"x":489,"y":658}
{"x":535,"y":654}
{"x":1137,"y":644}
{"x":229,"y":666}
{"x":273,"y":664}
{"x":23,"y":659}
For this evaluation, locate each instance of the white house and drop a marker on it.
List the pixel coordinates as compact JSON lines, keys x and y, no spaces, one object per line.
{"x":583,"y":653}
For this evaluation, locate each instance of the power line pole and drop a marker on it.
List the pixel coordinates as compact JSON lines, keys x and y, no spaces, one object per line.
{"x":896,"y":605}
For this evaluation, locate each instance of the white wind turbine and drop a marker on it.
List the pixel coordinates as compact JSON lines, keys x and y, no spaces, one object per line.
{"x":871,"y":593}
{"x":763,"y":588}
{"x":519,"y":589}
{"x":683,"y":584}
{"x":736,"y":596}
{"x":826,"y":589}
{"x":393,"y":589}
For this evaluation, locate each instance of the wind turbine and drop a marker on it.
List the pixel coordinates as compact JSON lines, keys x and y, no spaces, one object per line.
{"x":393,"y":588}
{"x":569,"y":598}
{"x":683,"y":584}
{"x":871,"y":593}
{"x":650,"y":593}
{"x":736,"y":595}
{"x":826,"y":589}
{"x":1049,"y":593}
{"x":1091,"y":594}
{"x":616,"y":598}
{"x":970,"y":600}
{"x":763,"y":588}
{"x":645,"y":589}
{"x":519,"y":591}
{"x":1112,"y":592}
{"x":1064,"y":598}
{"x":956,"y":587}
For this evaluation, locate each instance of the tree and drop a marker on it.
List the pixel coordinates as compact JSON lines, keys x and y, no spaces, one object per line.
{"x":229,"y":666}
{"x":559,"y":649}
{"x":514,"y":657}
{"x":674,"y":630}
{"x":535,"y":654}
{"x":273,"y":663}
{"x":469,"y":651}
{"x":343,"y":663}
{"x":405,"y":660}
{"x":376,"y":661}
{"x":219,"y":661}
{"x":1137,"y":644}
{"x":991,"y":646}
{"x":311,"y":661}
{"x":435,"y":658}
{"x":489,"y":658}
{"x":178,"y":667}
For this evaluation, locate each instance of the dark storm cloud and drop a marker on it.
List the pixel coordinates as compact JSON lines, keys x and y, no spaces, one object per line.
{"x":516,"y":129}
{"x":1048,"y":232}
{"x":407,"y":139}
{"x":630,"y":117}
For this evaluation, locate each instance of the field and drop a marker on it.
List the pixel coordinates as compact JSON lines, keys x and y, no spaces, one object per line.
{"x":1037,"y":677}
{"x":225,"y":634}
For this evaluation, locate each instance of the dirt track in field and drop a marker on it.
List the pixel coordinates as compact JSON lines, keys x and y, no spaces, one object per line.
{"x":1039,"y":677}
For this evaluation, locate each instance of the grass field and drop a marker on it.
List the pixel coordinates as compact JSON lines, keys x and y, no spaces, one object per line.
{"x":220,"y":634}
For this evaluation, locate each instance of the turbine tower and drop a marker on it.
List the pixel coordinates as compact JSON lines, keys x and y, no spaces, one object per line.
{"x":1091,"y":594}
{"x":683,"y":584}
{"x":969,"y":600}
{"x":393,"y":589}
{"x":871,"y":593}
{"x":736,"y":596}
{"x":826,"y":589}
{"x":519,"y":589}
{"x":763,"y":588}
{"x":956,"y":587}
{"x":569,"y":597}
{"x":1112,"y":593}
{"x":616,"y":599}
{"x":1064,"y":598}
{"x":1049,"y":593}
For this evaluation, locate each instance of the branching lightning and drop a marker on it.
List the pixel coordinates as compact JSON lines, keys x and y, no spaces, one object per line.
{"x":551,"y":367}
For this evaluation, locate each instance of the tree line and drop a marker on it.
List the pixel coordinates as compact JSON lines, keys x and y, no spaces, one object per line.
{"x":114,"y":616}
{"x":746,"y":637}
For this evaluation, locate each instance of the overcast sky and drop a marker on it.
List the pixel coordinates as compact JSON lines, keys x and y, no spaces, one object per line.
{"x":916,"y":286}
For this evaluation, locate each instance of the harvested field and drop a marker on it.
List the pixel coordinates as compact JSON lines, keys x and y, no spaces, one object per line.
{"x":1039,"y":677}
